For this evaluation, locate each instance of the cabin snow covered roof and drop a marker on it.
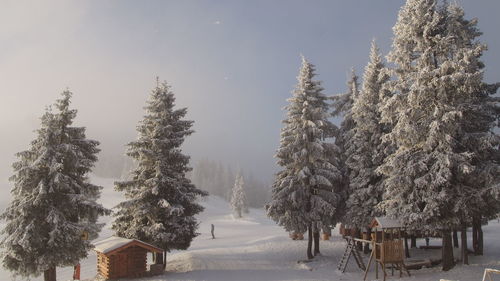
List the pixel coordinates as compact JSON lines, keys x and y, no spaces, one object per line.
{"x":385,"y":222}
{"x":114,"y":243}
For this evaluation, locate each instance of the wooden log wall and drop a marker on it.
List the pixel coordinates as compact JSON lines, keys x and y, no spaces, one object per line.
{"x":137,"y":260}
{"x":131,"y":262}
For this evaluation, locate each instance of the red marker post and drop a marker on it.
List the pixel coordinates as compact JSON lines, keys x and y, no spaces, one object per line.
{"x":76,"y":273}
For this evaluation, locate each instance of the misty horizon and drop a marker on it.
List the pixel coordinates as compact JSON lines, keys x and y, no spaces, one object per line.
{"x":233,"y":64}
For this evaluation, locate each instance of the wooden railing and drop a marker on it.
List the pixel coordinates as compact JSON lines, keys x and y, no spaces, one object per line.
{"x":488,"y":272}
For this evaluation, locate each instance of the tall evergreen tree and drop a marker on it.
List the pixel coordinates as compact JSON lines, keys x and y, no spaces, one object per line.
{"x":238,"y":197}
{"x":53,"y":203}
{"x":306,"y":193}
{"x":161,"y":201}
{"x":478,"y":110}
{"x":436,"y":82}
{"x":366,"y":150}
{"x":342,"y":106}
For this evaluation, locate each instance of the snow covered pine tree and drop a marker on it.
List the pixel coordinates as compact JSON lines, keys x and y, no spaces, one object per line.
{"x":342,"y":106}
{"x":238,"y":197}
{"x":480,"y":190}
{"x":161,"y":201}
{"x":306,"y":193}
{"x":366,"y":151}
{"x":53,"y":203}
{"x":438,"y":97}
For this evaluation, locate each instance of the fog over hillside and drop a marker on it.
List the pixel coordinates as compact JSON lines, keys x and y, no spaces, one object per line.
{"x":233,"y":64}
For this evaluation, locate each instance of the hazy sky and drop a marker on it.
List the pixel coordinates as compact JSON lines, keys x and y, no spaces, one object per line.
{"x":232,"y":63}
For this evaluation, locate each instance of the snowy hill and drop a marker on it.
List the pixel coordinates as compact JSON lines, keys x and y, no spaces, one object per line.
{"x":254,"y":248}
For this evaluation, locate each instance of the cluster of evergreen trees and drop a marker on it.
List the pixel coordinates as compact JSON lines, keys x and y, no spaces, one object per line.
{"x":218,"y":180}
{"x":416,"y":143}
{"x":54,"y":211}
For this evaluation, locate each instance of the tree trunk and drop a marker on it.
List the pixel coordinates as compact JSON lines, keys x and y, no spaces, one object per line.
{"x":477,"y":236}
{"x":413,"y":241}
{"x":158,"y":258}
{"x":309,"y":242}
{"x":407,"y":250}
{"x":474,"y":236}
{"x":359,"y":244}
{"x":49,"y":274}
{"x":316,"y":242}
{"x":480,"y":239}
{"x":447,"y":251}
{"x":455,"y":238}
{"x":465,"y":256}
{"x":367,"y":245}
{"x":165,"y":260}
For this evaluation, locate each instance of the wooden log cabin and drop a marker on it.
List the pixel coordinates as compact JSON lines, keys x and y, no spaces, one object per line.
{"x":121,"y":258}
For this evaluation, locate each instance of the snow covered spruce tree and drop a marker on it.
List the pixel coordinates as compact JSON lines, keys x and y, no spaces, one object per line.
{"x":238,"y":197}
{"x":306,"y":194}
{"x":161,"y":201}
{"x":438,"y":85}
{"x":476,"y":138}
{"x":53,"y":203}
{"x":366,"y":151}
{"x":342,"y":107}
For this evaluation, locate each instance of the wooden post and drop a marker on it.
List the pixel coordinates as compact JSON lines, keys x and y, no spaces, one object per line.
{"x":158,"y":258}
{"x":370,"y":261}
{"x":76,"y":272}
{"x":164,"y":260}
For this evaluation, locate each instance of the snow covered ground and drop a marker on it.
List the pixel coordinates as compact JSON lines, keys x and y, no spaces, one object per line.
{"x":254,"y":248}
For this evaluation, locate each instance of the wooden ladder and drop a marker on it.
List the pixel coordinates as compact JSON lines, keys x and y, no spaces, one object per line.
{"x":351,"y":249}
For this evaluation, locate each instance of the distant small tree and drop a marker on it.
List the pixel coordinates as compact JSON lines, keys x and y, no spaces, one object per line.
{"x":161,"y":200}
{"x":53,"y":203}
{"x":238,"y":198}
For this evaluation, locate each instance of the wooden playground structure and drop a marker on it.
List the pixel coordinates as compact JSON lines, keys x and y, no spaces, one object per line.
{"x":387,"y":248}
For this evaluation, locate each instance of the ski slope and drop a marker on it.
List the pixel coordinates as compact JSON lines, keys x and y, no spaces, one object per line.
{"x":254,"y":248}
